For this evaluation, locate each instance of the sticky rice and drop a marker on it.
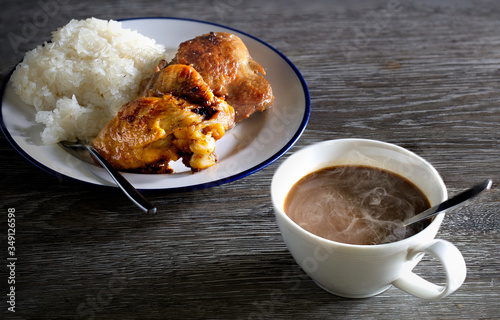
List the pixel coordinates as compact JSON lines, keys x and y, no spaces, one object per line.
{"x":79,"y":80}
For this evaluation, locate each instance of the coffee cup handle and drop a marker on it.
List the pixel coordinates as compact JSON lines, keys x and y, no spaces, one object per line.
{"x":453,"y":264}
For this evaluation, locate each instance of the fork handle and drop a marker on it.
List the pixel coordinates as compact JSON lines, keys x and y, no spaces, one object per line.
{"x":123,"y":183}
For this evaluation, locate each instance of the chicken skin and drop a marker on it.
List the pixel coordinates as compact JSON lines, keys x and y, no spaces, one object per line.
{"x":149,"y":132}
{"x":225,"y":64}
{"x":183,"y":121}
{"x":179,"y":80}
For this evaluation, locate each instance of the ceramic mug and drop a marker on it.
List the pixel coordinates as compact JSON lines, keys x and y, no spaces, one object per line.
{"x":360,"y":271}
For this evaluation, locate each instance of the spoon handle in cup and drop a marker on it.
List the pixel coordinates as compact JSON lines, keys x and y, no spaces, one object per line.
{"x":456,"y":200}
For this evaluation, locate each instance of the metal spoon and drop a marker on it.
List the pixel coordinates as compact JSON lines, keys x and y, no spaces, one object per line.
{"x":452,"y":202}
{"x":126,"y":187}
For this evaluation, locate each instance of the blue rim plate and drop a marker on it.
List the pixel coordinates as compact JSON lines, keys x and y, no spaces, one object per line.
{"x":249,"y":147}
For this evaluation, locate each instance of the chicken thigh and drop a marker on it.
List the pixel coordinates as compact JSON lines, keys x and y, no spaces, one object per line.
{"x":223,"y":61}
{"x":183,"y":121}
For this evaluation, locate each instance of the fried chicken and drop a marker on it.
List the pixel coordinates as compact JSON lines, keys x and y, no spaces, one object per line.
{"x":186,"y":106}
{"x":149,"y":132}
{"x":223,"y":61}
{"x":183,"y":121}
{"x":179,"y":80}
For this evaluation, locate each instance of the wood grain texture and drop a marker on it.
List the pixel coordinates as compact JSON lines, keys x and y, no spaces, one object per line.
{"x":421,"y":74}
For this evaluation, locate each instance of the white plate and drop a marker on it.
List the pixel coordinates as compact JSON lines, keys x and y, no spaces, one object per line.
{"x":250,"y":146}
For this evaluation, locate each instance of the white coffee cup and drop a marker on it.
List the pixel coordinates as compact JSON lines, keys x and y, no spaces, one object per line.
{"x":360,"y":271}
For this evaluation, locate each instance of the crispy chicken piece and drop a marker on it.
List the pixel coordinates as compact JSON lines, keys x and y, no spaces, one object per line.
{"x":177,"y":116}
{"x":179,"y":80}
{"x":225,"y":64}
{"x":149,"y":132}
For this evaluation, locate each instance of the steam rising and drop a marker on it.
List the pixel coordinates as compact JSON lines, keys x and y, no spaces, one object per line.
{"x":356,"y":205}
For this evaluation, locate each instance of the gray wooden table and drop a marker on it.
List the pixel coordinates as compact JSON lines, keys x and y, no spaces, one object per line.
{"x":421,"y":74}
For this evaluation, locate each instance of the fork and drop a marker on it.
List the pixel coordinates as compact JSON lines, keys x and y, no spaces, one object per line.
{"x":125,"y":186}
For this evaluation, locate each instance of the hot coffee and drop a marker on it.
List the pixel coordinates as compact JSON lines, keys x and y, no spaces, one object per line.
{"x":356,"y":205}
